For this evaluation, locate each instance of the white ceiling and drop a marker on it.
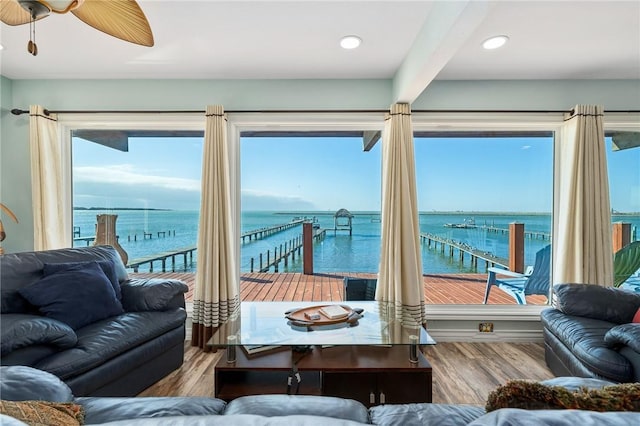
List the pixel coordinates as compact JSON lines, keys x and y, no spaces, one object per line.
{"x":418,"y":40}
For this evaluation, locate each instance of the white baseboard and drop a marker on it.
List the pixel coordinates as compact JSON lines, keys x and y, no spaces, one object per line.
{"x":453,"y":335}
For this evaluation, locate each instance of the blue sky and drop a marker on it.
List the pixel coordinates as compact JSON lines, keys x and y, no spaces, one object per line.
{"x":492,"y":174}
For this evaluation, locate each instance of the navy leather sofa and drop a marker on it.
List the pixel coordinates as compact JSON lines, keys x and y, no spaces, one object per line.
{"x":102,"y":338}
{"x":590,"y":333}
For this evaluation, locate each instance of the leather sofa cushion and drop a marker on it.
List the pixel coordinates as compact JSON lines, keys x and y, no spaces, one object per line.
{"x":516,"y":416}
{"x":576,"y":383}
{"x":624,"y":335}
{"x":77,"y":297}
{"x":22,"y":330}
{"x":106,"y":339}
{"x":424,"y":414}
{"x":593,"y":301}
{"x":584,"y":337}
{"x":21,"y":383}
{"x":238,"y":420}
{"x":110,"y":409}
{"x":10,"y":421}
{"x":279,"y":405}
{"x":29,"y":355}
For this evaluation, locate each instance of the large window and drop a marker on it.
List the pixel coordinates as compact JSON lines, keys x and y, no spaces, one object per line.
{"x":289,"y":180}
{"x":471,"y":187}
{"x":623,"y":166}
{"x":475,"y":178}
{"x":152,"y":185}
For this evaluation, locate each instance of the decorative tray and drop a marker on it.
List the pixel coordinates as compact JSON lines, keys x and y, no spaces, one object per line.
{"x":317,"y":315}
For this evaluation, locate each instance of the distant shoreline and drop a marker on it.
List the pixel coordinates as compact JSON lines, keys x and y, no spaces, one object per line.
{"x":121,"y":208}
{"x":451,"y":213}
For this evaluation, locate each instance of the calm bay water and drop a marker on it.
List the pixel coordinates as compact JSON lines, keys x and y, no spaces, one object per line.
{"x":338,"y":252}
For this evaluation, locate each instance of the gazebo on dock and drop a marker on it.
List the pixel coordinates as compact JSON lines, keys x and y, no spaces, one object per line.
{"x":342,"y":221}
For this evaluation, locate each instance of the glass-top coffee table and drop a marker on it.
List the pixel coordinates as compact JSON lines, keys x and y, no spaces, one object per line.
{"x":372,"y":356}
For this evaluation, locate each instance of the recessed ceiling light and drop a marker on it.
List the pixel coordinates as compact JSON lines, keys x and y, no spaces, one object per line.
{"x":495,"y":42}
{"x":1,"y":47}
{"x":350,"y":42}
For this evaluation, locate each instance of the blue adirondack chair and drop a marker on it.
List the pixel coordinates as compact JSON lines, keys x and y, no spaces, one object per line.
{"x":626,"y":264}
{"x":521,"y":285}
{"x":360,"y":288}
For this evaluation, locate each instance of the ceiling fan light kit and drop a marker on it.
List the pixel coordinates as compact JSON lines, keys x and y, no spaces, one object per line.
{"x":123,"y":19}
{"x":41,"y":8}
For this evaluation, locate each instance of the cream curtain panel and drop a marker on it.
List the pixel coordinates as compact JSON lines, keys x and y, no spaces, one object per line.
{"x":582,"y":212}
{"x":217,"y":291}
{"x":400,"y":282}
{"x":50,"y":198}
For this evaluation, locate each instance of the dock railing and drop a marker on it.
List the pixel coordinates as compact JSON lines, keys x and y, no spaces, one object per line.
{"x":533,"y":235}
{"x":163,"y":257}
{"x":463,"y":249}
{"x":270,"y":230}
{"x":273,"y":260}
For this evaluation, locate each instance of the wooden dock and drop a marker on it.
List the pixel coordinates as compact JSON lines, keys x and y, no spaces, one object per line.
{"x":281,"y":255}
{"x":286,"y":250}
{"x":88,"y":240}
{"x":134,"y":237}
{"x":544,"y":236}
{"x":439,"y":289}
{"x":270,"y":230}
{"x":463,"y":249}
{"x":163,"y":257}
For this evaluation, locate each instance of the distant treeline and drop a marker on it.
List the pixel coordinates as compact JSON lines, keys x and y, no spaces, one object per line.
{"x":120,"y":208}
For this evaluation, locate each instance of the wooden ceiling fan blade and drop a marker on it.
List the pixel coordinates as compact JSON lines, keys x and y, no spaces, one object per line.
{"x":11,"y":13}
{"x":123,"y":19}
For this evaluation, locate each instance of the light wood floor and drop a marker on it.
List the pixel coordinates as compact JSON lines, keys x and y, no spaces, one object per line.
{"x":462,"y":372}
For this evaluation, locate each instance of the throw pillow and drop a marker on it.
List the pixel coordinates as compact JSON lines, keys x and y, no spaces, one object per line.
{"x":44,"y":413}
{"x":107,"y":267}
{"x":636,"y":317}
{"x":536,"y":396}
{"x":76,"y":297}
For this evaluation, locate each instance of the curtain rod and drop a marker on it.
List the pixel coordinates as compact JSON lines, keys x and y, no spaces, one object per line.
{"x":17,"y":111}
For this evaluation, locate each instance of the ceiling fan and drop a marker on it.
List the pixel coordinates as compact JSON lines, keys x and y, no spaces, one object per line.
{"x":123,"y":19}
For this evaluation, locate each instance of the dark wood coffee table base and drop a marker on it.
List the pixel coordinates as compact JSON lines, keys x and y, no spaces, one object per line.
{"x":370,"y":374}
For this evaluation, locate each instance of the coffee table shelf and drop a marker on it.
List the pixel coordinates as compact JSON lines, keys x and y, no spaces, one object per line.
{"x":369,"y":374}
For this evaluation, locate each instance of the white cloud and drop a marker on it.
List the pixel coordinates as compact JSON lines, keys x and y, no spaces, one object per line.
{"x":127,"y":174}
{"x":526,"y":147}
{"x":259,"y":200}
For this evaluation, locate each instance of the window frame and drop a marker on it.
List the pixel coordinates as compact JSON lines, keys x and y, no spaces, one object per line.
{"x":457,"y":320}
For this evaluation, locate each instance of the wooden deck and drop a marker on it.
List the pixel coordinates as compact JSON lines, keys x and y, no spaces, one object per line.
{"x":438,"y":289}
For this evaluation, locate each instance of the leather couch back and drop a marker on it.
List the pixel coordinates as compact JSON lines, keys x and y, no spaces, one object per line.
{"x":592,"y":301}
{"x":18,"y":270}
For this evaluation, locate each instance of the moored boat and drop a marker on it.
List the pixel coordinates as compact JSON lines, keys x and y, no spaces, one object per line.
{"x":466,"y":223}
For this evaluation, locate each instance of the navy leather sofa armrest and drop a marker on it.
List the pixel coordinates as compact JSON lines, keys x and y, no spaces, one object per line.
{"x":21,"y":330}
{"x":624,"y":335}
{"x":22,"y":383}
{"x":152,"y":294}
